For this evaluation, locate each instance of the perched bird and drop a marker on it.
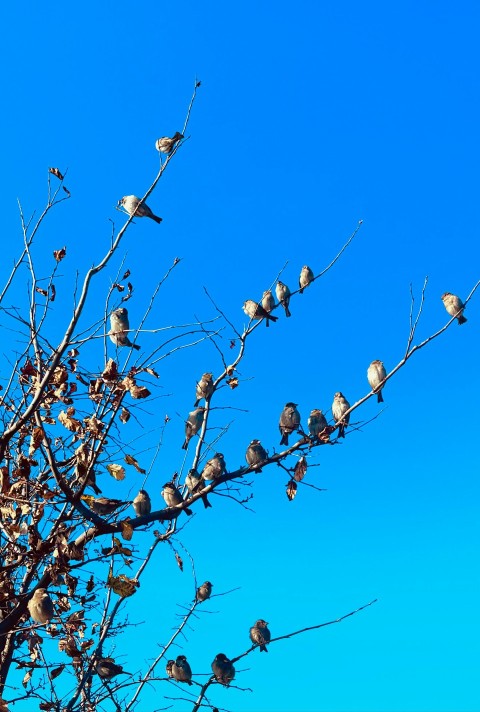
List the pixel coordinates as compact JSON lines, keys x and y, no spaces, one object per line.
{"x":260,"y":635}
{"x":316,"y":423}
{"x":131,"y":203}
{"x":454,"y":306}
{"x":376,"y":374}
{"x":181,"y":670}
{"x":119,"y":326}
{"x":172,"y":497}
{"x":166,"y":145}
{"x":256,"y":454}
{"x":142,"y":503}
{"x":193,"y":424}
{"x":268,"y":303}
{"x":223,"y":669}
{"x":107,"y":668}
{"x":102,"y":505}
{"x":283,"y":296}
{"x":169,"y":667}
{"x":214,"y":468}
{"x":40,"y":606}
{"x":194,"y":483}
{"x":339,"y":406}
{"x":306,"y":276}
{"x":289,"y":421}
{"x":204,"y":388}
{"x":204,"y":591}
{"x":256,"y":311}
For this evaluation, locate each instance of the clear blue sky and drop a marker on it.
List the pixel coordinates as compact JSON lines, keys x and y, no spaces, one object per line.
{"x":310,"y":117}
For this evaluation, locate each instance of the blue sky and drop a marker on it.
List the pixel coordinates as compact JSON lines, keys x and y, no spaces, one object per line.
{"x":310,"y":117}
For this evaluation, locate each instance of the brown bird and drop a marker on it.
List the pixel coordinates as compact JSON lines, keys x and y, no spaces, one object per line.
{"x":204,"y":388}
{"x":306,"y":276}
{"x":376,"y":374}
{"x":142,"y":503}
{"x":289,"y":421}
{"x":283,"y":296}
{"x":256,"y":311}
{"x":131,"y":205}
{"x":173,"y":498}
{"x":102,"y":505}
{"x":268,"y":303}
{"x":316,"y":423}
{"x":166,"y":145}
{"x":195,"y":483}
{"x":256,"y":454}
{"x":339,"y":407}
{"x":214,"y":468}
{"x":193,"y":424}
{"x":119,"y":328}
{"x":454,"y":306}
{"x":40,"y":606}
{"x":107,"y":668}
{"x":223,"y":669}
{"x":181,"y":670}
{"x":260,"y":635}
{"x":169,"y":667}
{"x":204,"y":591}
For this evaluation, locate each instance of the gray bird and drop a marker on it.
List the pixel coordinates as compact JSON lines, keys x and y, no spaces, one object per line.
{"x":131,"y":203}
{"x":376,"y":374}
{"x":223,"y":669}
{"x":193,"y":424}
{"x":454,"y":306}
{"x":306,"y":276}
{"x":119,"y":326}
{"x":289,"y":421}
{"x":102,"y":505}
{"x":204,"y":388}
{"x":260,"y":635}
{"x":195,"y":483}
{"x":181,"y":670}
{"x":256,"y":311}
{"x":204,"y":591}
{"x":169,"y":667}
{"x":172,"y":497}
{"x":339,"y":406}
{"x":142,"y":503}
{"x":283,"y":296}
{"x":107,"y":668}
{"x":256,"y":454}
{"x":214,"y":468}
{"x":316,"y":423}
{"x":268,"y":303}
{"x":40,"y":606}
{"x":166,"y":145}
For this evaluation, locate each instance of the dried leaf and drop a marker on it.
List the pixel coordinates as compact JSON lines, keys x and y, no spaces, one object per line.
{"x":130,"y":460}
{"x":152,"y":372}
{"x":300,"y":469}
{"x":232,"y":344}
{"x":73,"y":353}
{"x":68,"y":422}
{"x":127,"y":529}
{"x":291,"y":489}
{"x":130,"y":287}
{"x":230,"y":370}
{"x":127,"y":274}
{"x":110,"y":372}
{"x":179,"y":561}
{"x":27,"y":678}
{"x":232,"y":382}
{"x":166,"y":419}
{"x":138,"y":392}
{"x":41,"y":291}
{"x":55,"y":172}
{"x":60,"y":254}
{"x":3,"y":705}
{"x":122,"y":585}
{"x":119,"y":548}
{"x":66,"y":191}
{"x":55,"y":672}
{"x":117,"y":471}
{"x":53,"y":292}
{"x":90,"y":584}
{"x":36,"y":439}
{"x":119,"y":287}
{"x":124,"y":415}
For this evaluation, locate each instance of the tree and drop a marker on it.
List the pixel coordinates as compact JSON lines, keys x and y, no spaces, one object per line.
{"x":64,"y":421}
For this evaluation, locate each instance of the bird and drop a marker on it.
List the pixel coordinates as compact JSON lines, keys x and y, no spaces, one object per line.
{"x":289,"y":421}
{"x":181,"y":670}
{"x":102,"y":505}
{"x":142,"y":503}
{"x":283,"y":296}
{"x":169,"y":667}
{"x":204,"y":591}
{"x":166,"y":145}
{"x":107,"y":668}
{"x":172,"y":497}
{"x":204,"y":388}
{"x":214,"y":468}
{"x":306,"y":276}
{"x":316,"y":423}
{"x":268,"y":303}
{"x":256,"y":311}
{"x":40,"y":606}
{"x":119,"y":326}
{"x":260,"y":635}
{"x":223,"y":669}
{"x":193,"y":424}
{"x":194,"y":483}
{"x":339,"y":406}
{"x":255,"y":454}
{"x":454,"y":306}
{"x":376,"y":374}
{"x":131,"y":205}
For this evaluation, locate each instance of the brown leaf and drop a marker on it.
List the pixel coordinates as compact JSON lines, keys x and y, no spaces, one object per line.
{"x":119,"y":287}
{"x":127,"y":529}
{"x":73,"y":366}
{"x":122,"y":585}
{"x":60,"y":254}
{"x":232,"y":344}
{"x":41,"y":291}
{"x":130,"y":460}
{"x":118,"y":547}
{"x":110,"y":372}
{"x":55,"y":172}
{"x":90,"y":584}
{"x":300,"y":469}
{"x":66,"y":191}
{"x":130,"y":287}
{"x":179,"y":561}
{"x":138,"y":392}
{"x":230,"y":370}
{"x":53,"y":292}
{"x":27,"y":677}
{"x":36,"y":439}
{"x":232,"y":382}
{"x":291,"y":489}
{"x":59,"y":376}
{"x":68,"y":422}
{"x":3,"y":705}
{"x":152,"y":372}
{"x":127,"y":274}
{"x":124,"y":415}
{"x":117,"y":471}
{"x":73,"y":353}
{"x":55,"y":672}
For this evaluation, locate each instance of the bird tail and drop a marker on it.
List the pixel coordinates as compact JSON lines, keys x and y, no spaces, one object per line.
{"x":301,"y":290}
{"x":136,"y":346}
{"x":273,"y":318}
{"x":156,"y":218}
{"x":267,"y":323}
{"x":341,"y":430}
{"x":379,"y":397}
{"x":197,"y":402}
{"x":205,"y":501}
{"x":462,"y":319}
{"x":284,"y":440}
{"x":263,"y":649}
{"x":188,"y":511}
{"x":287,"y":311}
{"x":185,"y":444}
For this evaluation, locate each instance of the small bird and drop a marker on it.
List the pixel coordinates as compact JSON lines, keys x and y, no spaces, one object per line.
{"x":339,"y":406}
{"x":166,"y":145}
{"x":107,"y":668}
{"x":193,"y":424}
{"x":204,"y":388}
{"x":260,"y":635}
{"x":256,"y":311}
{"x":181,"y":670}
{"x":169,"y":667}
{"x":142,"y":503}
{"x":268,"y":303}
{"x":306,"y":276}
{"x":256,"y":454}
{"x":102,"y":505}
{"x":223,"y":669}
{"x":289,"y":421}
{"x":454,"y":306}
{"x":214,"y":468}
{"x":172,"y":497}
{"x":119,"y":326}
{"x":131,"y":205}
{"x":376,"y":374}
{"x":194,"y":483}
{"x":316,"y":423}
{"x":283,"y":296}
{"x":40,"y":606}
{"x":204,"y":591}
